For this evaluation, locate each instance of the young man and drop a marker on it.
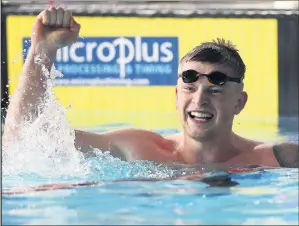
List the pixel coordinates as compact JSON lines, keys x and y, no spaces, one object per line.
{"x":209,"y":94}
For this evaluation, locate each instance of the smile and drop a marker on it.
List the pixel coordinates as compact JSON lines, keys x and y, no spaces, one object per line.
{"x":202,"y":116}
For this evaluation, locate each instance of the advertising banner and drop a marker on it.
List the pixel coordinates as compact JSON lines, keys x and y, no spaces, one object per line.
{"x":117,"y":61}
{"x":124,"y":69}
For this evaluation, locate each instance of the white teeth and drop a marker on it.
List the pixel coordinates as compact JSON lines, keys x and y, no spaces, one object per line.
{"x":201,"y":114}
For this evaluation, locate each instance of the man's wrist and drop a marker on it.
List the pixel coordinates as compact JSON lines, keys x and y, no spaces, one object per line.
{"x":44,"y":49}
{"x":40,"y":54}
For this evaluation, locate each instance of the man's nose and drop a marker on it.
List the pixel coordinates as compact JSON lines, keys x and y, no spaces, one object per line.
{"x":200,"y":97}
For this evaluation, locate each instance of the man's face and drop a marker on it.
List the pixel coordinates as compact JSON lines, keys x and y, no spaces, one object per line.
{"x":206,"y":109}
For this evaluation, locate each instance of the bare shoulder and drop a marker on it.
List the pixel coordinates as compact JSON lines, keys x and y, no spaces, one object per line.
{"x":176,"y":138}
{"x":285,"y":153}
{"x":253,"y":152}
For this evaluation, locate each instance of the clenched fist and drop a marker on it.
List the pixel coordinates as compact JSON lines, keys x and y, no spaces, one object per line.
{"x":54,"y":28}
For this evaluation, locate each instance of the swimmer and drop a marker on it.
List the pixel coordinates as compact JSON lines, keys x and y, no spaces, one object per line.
{"x":209,"y":93}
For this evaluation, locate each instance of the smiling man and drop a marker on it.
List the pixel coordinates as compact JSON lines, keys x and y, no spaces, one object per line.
{"x":209,"y":94}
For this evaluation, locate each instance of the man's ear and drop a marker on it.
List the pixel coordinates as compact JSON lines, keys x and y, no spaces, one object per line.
{"x":241,"y":102}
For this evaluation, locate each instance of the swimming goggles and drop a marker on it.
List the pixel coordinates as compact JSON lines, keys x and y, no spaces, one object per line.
{"x":216,"y":77}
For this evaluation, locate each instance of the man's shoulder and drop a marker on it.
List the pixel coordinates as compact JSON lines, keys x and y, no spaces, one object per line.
{"x":137,"y":135}
{"x":285,"y":153}
{"x":255,"y":151}
{"x":175,"y":138}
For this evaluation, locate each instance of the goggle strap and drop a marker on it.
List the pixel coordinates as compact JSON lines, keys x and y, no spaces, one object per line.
{"x":238,"y":80}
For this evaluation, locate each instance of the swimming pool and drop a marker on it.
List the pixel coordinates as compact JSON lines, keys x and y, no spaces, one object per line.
{"x":264,"y":196}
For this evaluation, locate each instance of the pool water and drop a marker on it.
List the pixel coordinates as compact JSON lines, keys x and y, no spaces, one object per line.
{"x":264,"y":197}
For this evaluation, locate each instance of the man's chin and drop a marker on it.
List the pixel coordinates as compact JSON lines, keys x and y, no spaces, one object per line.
{"x":200,"y":134}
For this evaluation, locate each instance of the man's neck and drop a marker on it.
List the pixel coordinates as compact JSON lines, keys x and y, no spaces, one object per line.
{"x":218,"y":149}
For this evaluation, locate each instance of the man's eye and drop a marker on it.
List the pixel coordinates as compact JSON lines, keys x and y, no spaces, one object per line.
{"x":216,"y":91}
{"x":188,"y":88}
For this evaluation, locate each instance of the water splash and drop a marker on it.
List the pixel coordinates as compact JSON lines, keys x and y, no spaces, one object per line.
{"x":105,"y":166}
{"x":46,"y":149}
{"x":46,"y":145}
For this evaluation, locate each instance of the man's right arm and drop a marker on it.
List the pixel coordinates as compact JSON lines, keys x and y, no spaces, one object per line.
{"x":53,"y":29}
{"x":29,"y":93}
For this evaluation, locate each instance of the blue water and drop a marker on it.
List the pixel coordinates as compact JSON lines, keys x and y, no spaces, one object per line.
{"x":264,"y":197}
{"x":268,"y":197}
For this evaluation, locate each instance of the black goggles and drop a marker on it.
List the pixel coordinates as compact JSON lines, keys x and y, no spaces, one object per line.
{"x":216,"y":77}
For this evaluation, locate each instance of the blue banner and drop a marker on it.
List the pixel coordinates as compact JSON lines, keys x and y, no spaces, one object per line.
{"x":117,"y":61}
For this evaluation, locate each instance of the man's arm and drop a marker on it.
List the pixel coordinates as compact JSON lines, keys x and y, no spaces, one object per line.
{"x":53,"y":29}
{"x":87,"y":141}
{"x":29,"y":93}
{"x":287,"y":154}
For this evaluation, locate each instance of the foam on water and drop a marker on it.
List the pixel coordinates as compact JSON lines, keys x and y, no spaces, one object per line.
{"x":46,"y":150}
{"x":46,"y":144}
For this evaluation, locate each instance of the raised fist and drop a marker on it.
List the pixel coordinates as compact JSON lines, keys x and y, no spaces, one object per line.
{"x":54,"y":28}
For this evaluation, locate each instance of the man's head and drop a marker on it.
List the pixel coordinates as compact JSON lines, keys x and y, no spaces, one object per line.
{"x":210,"y":89}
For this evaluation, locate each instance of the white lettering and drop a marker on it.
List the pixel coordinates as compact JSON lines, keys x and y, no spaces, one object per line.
{"x":74,"y":57}
{"x":105,"y":81}
{"x":164,"y":48}
{"x":65,"y":54}
{"x":123,"y":59}
{"x":120,"y":52}
{"x":62,"y":55}
{"x":59,"y":55}
{"x":138,"y":49}
{"x":89,"y":50}
{"x":155,"y":54}
{"x":111,"y":52}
